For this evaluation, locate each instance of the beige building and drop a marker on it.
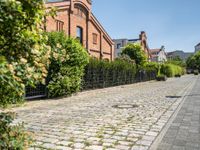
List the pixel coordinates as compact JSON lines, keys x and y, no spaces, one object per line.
{"x":142,"y":40}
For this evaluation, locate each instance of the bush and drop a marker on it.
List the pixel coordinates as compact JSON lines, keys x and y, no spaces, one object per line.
{"x":13,"y":137}
{"x":67,"y":62}
{"x":170,"y":70}
{"x":24,"y":56}
{"x":12,"y":91}
{"x":151,"y":67}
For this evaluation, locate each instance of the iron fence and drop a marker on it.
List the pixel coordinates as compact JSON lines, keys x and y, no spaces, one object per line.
{"x":96,"y":79}
{"x":39,"y":91}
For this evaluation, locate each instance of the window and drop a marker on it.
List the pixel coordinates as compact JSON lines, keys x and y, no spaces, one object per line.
{"x":118,"y":45}
{"x":79,"y":34}
{"x":59,"y":25}
{"x":80,"y":12}
{"x":94,"y":38}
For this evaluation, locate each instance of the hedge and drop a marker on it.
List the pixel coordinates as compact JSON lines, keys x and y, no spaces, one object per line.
{"x":100,"y":73}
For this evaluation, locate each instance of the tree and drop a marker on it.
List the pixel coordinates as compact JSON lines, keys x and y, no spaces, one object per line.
{"x":23,"y":54}
{"x":135,"y":52}
{"x":193,"y":62}
{"x":177,"y":61}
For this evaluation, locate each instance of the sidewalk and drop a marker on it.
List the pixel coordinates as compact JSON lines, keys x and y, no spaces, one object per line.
{"x":184,"y":132}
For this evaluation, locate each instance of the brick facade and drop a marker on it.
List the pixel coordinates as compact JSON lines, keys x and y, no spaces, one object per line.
{"x":73,"y":14}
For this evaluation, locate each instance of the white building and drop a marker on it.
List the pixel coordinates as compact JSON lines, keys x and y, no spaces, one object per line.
{"x":158,"y":55}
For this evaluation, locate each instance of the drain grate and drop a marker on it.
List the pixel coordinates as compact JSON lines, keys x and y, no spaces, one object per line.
{"x":173,"y":96}
{"x":125,"y":106}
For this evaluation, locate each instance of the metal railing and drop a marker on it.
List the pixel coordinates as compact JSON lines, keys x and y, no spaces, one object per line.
{"x":96,"y":79}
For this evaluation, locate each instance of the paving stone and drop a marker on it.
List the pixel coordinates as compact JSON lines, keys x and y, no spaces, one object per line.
{"x":90,"y":119}
{"x":183,"y":133}
{"x":79,"y":145}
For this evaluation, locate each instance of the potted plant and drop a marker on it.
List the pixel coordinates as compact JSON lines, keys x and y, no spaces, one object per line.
{"x":161,"y":77}
{"x":196,"y":72}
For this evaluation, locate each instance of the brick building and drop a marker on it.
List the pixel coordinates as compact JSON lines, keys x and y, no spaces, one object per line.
{"x":75,"y":18}
{"x":142,"y":40}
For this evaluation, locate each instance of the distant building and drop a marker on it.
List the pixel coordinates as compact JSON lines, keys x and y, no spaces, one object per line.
{"x":179,"y":53}
{"x":158,"y":55}
{"x":197,"y":48}
{"x":120,"y":43}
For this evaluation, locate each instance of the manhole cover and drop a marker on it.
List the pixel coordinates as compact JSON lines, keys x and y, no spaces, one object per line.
{"x":173,"y":96}
{"x":125,"y":106}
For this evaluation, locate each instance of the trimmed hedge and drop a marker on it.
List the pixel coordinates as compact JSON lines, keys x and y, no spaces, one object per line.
{"x":101,"y":73}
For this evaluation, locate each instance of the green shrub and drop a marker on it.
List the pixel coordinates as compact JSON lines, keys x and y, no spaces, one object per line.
{"x":13,"y":137}
{"x":170,"y":70}
{"x":12,"y":91}
{"x":151,"y":67}
{"x":24,"y":56}
{"x":67,"y":62}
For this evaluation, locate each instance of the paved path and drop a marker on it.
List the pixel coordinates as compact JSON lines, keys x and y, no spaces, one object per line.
{"x":105,"y":119}
{"x":184,"y":132}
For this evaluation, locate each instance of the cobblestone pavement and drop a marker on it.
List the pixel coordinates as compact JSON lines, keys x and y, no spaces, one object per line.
{"x":104,"y":119}
{"x":184,"y":132}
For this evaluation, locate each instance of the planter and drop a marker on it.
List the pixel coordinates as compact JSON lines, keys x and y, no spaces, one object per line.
{"x":177,"y":75}
{"x":161,"y":78}
{"x":196,"y":72}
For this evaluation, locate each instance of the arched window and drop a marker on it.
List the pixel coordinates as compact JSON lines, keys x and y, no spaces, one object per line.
{"x":79,"y":34}
{"x":80,"y":11}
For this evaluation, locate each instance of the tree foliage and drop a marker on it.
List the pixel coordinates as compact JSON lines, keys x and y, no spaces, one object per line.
{"x":23,"y":54}
{"x":135,"y":52}
{"x":177,"y":61}
{"x":193,"y":62}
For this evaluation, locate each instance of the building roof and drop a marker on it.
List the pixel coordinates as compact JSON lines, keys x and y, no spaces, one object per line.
{"x":154,"y":50}
{"x":133,"y":40}
{"x":198,"y":44}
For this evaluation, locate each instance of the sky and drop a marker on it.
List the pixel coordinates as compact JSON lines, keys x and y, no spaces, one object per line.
{"x":172,"y":23}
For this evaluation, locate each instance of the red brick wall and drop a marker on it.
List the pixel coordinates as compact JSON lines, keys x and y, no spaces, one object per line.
{"x":61,"y":15}
{"x":106,"y":47}
{"x":92,"y":30}
{"x":103,"y":48}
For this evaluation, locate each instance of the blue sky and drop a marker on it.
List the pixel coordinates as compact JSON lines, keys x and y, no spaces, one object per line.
{"x":173,"y":23}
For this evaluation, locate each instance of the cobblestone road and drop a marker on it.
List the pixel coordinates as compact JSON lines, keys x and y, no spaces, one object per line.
{"x":104,"y":119}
